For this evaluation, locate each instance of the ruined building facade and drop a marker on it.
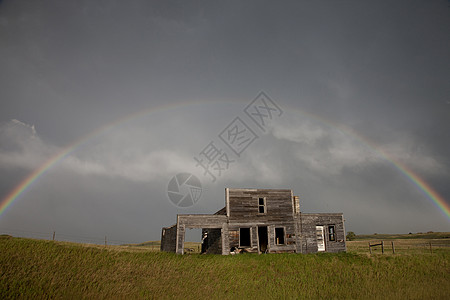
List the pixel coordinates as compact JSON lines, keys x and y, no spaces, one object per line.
{"x":261,"y":221}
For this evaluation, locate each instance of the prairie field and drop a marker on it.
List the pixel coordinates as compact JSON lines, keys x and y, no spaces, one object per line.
{"x":47,"y":269}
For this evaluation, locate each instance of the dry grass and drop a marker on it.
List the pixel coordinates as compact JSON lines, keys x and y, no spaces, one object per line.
{"x":401,"y":246}
{"x":45,"y":269}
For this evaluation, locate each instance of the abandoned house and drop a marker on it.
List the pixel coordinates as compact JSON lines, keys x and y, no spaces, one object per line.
{"x":260,"y":221}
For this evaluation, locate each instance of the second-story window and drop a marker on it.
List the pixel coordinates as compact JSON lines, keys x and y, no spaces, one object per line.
{"x":262,"y":205}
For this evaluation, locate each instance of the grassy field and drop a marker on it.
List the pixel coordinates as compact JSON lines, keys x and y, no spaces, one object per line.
{"x":45,"y":269}
{"x":429,"y":235}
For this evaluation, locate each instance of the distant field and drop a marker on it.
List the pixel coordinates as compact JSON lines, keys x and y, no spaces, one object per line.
{"x":403,"y":243}
{"x":418,"y":243}
{"x":45,"y":269}
{"x":189,"y":247}
{"x":428,"y":235}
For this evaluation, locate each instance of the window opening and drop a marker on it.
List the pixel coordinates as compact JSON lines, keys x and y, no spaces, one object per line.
{"x":279,"y":236}
{"x":262,"y":205}
{"x":244,"y":237}
{"x":331,"y":233}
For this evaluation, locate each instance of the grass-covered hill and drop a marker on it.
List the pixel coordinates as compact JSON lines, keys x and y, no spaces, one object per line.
{"x":46,"y":269}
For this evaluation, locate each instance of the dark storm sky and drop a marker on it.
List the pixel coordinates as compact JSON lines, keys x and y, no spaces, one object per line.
{"x":67,"y":68}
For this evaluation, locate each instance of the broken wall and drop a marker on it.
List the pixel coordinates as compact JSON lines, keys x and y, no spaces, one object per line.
{"x":213,"y":243}
{"x":169,"y":238}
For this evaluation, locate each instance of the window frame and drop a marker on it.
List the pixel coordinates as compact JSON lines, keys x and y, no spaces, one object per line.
{"x":249,"y":236}
{"x":264,"y":205}
{"x":275,"y":235}
{"x":332,"y":233}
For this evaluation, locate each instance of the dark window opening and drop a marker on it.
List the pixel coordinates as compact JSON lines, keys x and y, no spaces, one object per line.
{"x":244,"y":237}
{"x":262,"y":205}
{"x":331,"y":233}
{"x":279,"y":236}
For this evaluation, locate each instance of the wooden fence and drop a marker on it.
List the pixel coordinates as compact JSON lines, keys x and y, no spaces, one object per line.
{"x":381,"y":243}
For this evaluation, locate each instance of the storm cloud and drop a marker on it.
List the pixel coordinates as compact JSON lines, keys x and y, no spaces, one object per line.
{"x":137,"y":89}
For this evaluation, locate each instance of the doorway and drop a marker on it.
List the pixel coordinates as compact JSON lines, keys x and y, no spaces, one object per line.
{"x":263,"y":239}
{"x":320,"y":238}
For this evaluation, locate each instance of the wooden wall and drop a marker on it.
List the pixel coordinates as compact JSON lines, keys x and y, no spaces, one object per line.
{"x":213,"y":244}
{"x":199,"y":221}
{"x":243,"y":212}
{"x":243,"y":205}
{"x":168,"y":238}
{"x":307,"y":226}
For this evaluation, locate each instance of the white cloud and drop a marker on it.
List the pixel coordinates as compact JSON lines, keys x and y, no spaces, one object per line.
{"x":298,"y":132}
{"x":148,"y":166}
{"x":328,"y":151}
{"x":22,"y":147}
{"x":256,"y":168}
{"x":323,"y":148}
{"x":406,"y":151}
{"x":19,"y":123}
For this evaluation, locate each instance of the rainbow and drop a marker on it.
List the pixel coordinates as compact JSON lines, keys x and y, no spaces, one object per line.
{"x":413,"y":177}
{"x":438,"y":201}
{"x":424,"y":187}
{"x":33,"y":176}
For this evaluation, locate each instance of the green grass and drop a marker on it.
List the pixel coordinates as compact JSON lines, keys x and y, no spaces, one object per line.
{"x":418,"y":243}
{"x":45,"y":269}
{"x":189,"y":247}
{"x":420,"y":235}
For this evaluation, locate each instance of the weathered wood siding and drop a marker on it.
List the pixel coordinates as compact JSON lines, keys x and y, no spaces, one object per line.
{"x":233,"y":237}
{"x":168,"y":238}
{"x":199,"y":221}
{"x":307,"y":225}
{"x":242,"y":211}
{"x":289,"y":244}
{"x":213,"y":244}
{"x":242,"y":206}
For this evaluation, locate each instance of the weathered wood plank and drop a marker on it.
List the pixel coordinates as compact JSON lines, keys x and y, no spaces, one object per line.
{"x":242,"y":211}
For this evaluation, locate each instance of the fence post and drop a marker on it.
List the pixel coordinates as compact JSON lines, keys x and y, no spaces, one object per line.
{"x":53,"y":235}
{"x":370,"y":249}
{"x":105,"y":240}
{"x":431,"y":250}
{"x":382,"y":247}
{"x":393,"y":248}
